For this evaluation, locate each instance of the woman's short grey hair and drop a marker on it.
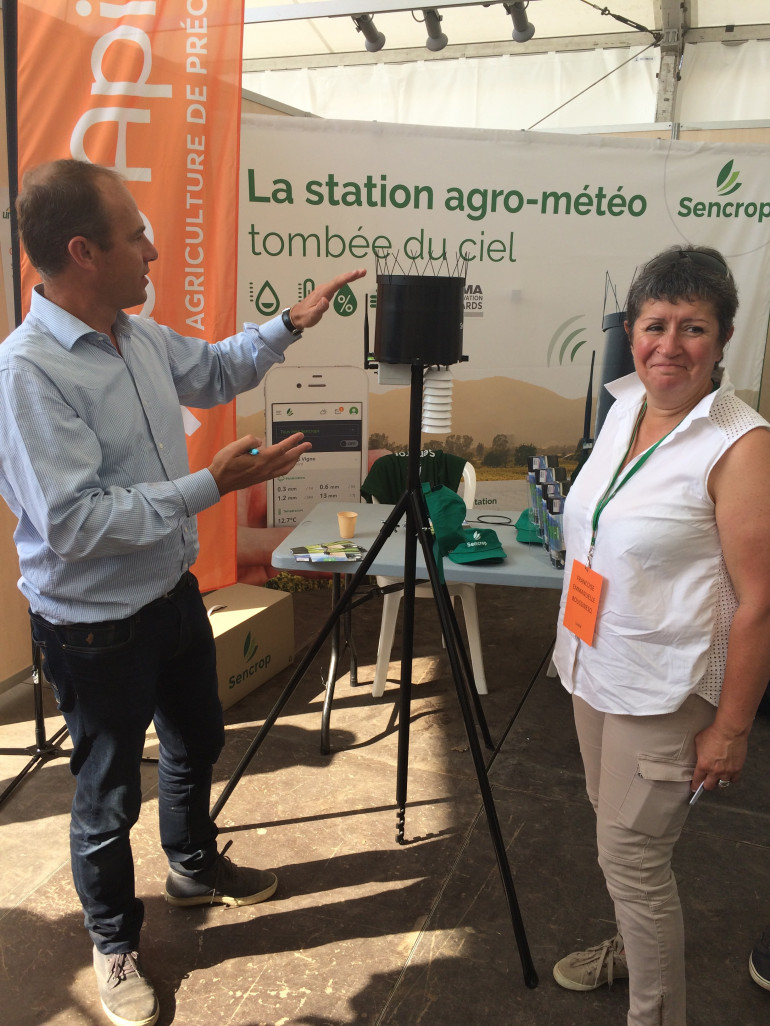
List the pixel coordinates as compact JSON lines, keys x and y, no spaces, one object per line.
{"x":690,"y":273}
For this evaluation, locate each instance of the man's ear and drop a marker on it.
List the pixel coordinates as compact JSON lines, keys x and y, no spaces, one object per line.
{"x":82,"y":250}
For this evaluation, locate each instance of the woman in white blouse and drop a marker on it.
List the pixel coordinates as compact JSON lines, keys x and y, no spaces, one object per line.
{"x":666,"y":644}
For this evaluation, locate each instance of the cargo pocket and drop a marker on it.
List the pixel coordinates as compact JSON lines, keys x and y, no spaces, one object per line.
{"x":657,"y":798}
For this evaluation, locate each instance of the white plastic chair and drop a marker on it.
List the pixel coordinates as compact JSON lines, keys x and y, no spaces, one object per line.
{"x":465,"y":592}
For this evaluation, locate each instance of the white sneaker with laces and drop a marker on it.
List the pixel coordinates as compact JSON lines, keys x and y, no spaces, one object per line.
{"x":592,"y":968}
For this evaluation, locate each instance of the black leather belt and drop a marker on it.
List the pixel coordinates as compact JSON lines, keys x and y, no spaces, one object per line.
{"x":185,"y":581}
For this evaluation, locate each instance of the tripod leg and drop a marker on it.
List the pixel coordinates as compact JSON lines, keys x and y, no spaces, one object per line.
{"x":405,"y":689}
{"x":413,"y":524}
{"x":44,"y":748}
{"x":298,"y":675}
{"x":454,"y":627}
{"x":41,"y":741}
{"x":446,"y":614}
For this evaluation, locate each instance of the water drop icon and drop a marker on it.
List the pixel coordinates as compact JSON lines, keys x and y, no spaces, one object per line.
{"x":345,"y":302}
{"x":267,"y":301}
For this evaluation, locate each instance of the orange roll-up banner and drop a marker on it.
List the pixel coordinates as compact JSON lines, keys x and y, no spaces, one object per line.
{"x":152,"y":88}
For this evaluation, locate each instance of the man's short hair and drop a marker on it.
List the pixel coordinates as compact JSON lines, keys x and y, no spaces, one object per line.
{"x":59,"y":201}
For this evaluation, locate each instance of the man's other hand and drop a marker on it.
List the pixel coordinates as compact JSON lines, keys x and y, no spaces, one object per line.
{"x":235,"y":467}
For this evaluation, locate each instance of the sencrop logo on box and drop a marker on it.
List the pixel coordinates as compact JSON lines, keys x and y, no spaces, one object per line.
{"x":252,"y":663}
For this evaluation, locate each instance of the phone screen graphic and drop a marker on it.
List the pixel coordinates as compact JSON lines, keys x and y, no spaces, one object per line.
{"x":331,"y":470}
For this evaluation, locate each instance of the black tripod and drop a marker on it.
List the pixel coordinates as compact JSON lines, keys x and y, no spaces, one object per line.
{"x":44,"y":748}
{"x":413,"y":505}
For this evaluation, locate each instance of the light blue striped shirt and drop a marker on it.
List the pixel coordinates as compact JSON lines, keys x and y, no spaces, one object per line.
{"x":93,"y":457}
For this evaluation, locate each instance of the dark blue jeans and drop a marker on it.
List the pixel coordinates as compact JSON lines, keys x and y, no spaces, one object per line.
{"x":111,"y":680}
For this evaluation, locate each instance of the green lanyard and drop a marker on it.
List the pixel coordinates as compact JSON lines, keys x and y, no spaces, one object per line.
{"x":613,"y":488}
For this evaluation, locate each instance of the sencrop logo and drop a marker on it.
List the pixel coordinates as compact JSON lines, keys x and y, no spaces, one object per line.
{"x":251,"y":663}
{"x":567,"y":340}
{"x":727,"y":180}
{"x":727,"y":183}
{"x":249,"y":647}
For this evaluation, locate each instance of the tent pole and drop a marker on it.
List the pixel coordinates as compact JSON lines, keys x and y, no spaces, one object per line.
{"x":10,"y":52}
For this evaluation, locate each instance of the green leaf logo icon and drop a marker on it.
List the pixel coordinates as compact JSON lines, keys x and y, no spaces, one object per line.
{"x":345,"y":302}
{"x":249,"y":647}
{"x":727,"y":180}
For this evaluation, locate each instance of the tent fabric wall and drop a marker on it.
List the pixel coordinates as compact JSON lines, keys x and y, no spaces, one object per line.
{"x":725,"y":83}
{"x":504,"y":92}
{"x":719,"y":84}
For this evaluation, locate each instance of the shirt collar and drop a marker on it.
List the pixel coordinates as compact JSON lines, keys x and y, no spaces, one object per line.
{"x":64,"y":326}
{"x":629,"y":390}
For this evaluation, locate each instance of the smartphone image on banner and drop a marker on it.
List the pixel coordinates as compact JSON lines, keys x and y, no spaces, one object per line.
{"x":329,"y":406}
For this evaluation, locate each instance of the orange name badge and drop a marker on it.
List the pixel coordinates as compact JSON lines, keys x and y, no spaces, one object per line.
{"x":582,"y":605}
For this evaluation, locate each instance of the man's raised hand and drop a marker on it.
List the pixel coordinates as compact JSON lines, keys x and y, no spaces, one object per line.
{"x":311,"y":309}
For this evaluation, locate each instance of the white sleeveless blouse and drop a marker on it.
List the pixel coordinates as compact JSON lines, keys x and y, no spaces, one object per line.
{"x":667,"y":600}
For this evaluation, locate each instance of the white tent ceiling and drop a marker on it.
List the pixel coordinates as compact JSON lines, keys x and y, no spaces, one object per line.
{"x":312,"y":33}
{"x":309,"y":55}
{"x":312,"y":37}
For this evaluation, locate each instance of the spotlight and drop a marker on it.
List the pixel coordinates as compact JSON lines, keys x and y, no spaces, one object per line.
{"x":436,"y":39}
{"x":523,"y":29}
{"x":375,"y":40}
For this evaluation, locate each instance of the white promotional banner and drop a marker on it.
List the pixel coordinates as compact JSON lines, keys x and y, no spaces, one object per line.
{"x":552,"y":228}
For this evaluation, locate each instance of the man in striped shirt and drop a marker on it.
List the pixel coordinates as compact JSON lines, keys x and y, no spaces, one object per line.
{"x":93,"y":463}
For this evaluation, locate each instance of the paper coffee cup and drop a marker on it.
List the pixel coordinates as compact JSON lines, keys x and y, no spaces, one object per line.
{"x":347,"y":524}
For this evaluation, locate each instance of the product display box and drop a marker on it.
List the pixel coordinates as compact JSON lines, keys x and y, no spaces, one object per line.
{"x":254,"y":633}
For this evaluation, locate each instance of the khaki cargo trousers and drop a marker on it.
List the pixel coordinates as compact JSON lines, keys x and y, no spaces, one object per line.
{"x":638,"y":771}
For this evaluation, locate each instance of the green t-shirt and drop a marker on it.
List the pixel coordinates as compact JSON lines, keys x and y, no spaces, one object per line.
{"x":386,"y":481}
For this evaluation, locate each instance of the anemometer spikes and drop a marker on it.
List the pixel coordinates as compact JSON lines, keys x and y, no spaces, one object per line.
{"x":390,"y":265}
{"x":610,"y":287}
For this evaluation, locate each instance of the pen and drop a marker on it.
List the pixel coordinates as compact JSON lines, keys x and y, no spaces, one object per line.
{"x":696,"y":795}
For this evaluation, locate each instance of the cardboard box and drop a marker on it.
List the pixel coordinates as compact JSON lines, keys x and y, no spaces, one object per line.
{"x":254,"y":633}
